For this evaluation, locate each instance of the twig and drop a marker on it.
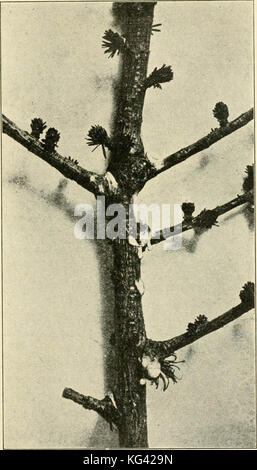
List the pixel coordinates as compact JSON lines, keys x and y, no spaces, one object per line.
{"x":104,"y":408}
{"x":163,"y":349}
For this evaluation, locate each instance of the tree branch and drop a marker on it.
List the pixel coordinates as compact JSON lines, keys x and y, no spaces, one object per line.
{"x":197,"y":222}
{"x":97,"y":184}
{"x":214,"y":136}
{"x":163,"y":349}
{"x":104,"y":408}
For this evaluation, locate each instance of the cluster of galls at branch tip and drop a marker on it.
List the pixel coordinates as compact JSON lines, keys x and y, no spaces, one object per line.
{"x":162,"y":75}
{"x":221,"y":113}
{"x":199,"y":322}
{"x":247,"y":294}
{"x":155,"y":369}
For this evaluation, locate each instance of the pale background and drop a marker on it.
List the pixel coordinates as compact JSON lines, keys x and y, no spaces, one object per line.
{"x":54,"y":68}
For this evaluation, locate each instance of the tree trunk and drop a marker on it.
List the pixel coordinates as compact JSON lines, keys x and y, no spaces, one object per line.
{"x":135,"y":20}
{"x":129,"y":339}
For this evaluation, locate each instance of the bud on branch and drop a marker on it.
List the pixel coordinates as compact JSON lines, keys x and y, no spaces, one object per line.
{"x":247,"y":294}
{"x":97,"y":135}
{"x":221,"y":113}
{"x":50,"y":141}
{"x":158,"y":76}
{"x":200,"y":321}
{"x":248,"y":180}
{"x":113,"y":43}
{"x":188,"y":209}
{"x":37,"y":127}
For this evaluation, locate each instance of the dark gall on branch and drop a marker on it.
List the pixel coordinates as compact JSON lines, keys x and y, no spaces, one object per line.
{"x":113,"y":43}
{"x":249,"y":179}
{"x":162,"y":75}
{"x":247,"y":294}
{"x":50,"y":141}
{"x":220,"y":112}
{"x":37,"y":127}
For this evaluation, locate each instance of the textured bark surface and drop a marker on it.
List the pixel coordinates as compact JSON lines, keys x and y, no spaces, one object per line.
{"x":104,"y":407}
{"x":131,"y":167}
{"x":129,"y":340}
{"x":97,"y":184}
{"x":136,"y":23}
{"x":128,"y":170}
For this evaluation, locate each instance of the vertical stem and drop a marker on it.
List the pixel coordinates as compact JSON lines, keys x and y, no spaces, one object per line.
{"x":135,"y":19}
{"x":129,"y":339}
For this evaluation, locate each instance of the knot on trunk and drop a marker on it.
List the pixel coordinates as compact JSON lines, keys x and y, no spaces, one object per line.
{"x":132,"y":171}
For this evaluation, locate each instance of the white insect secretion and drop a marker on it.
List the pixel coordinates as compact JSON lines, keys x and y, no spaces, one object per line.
{"x":140,"y":286}
{"x":152,"y":366}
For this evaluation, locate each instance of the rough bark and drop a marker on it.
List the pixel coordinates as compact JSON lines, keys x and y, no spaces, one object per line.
{"x":97,"y":184}
{"x":104,"y":407}
{"x":136,"y":23}
{"x":130,"y":166}
{"x":128,"y":170}
{"x":129,"y":339}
